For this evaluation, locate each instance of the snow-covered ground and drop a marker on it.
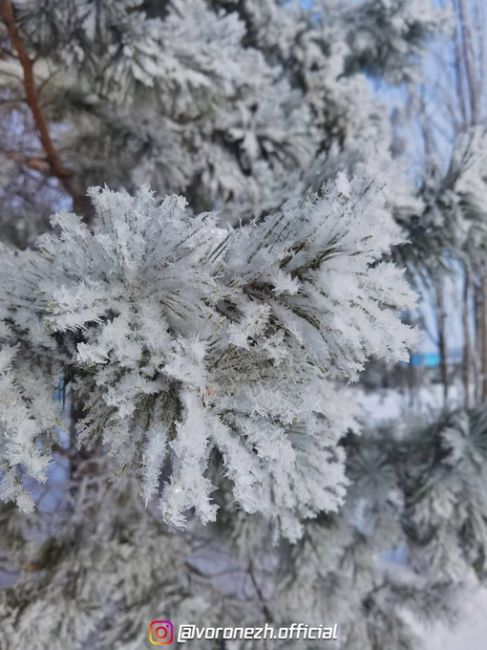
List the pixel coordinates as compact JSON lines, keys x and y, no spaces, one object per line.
{"x":390,"y":403}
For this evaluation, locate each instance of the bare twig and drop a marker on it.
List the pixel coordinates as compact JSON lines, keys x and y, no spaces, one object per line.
{"x":37,"y":163}
{"x":262,"y":600}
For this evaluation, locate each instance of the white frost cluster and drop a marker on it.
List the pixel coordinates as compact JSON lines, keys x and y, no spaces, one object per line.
{"x":201,"y":352}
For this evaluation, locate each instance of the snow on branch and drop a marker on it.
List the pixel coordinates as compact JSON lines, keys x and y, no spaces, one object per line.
{"x":202,"y":352}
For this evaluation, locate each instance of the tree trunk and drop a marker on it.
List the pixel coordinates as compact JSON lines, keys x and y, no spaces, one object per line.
{"x":482,"y":338}
{"x":467,"y":341}
{"x":441,"y":324}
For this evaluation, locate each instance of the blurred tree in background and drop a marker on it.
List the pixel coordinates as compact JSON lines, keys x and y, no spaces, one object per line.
{"x":173,"y":373}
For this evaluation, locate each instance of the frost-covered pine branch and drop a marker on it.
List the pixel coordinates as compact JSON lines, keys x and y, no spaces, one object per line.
{"x":183,"y":338}
{"x":447,"y":217}
{"x":234,"y":105}
{"x":410,"y":534}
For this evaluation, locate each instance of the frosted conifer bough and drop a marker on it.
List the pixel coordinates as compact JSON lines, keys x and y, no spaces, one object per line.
{"x":269,"y":96}
{"x":201,"y":351}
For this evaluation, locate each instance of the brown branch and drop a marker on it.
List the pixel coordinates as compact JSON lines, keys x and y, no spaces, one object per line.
{"x":37,"y":163}
{"x":56,"y":166}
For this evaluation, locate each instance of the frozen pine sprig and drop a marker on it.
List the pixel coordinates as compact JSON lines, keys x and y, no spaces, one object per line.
{"x":27,"y":415}
{"x":184,"y":340}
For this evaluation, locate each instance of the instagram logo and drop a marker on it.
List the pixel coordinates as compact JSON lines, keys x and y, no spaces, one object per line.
{"x":161,"y":632}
